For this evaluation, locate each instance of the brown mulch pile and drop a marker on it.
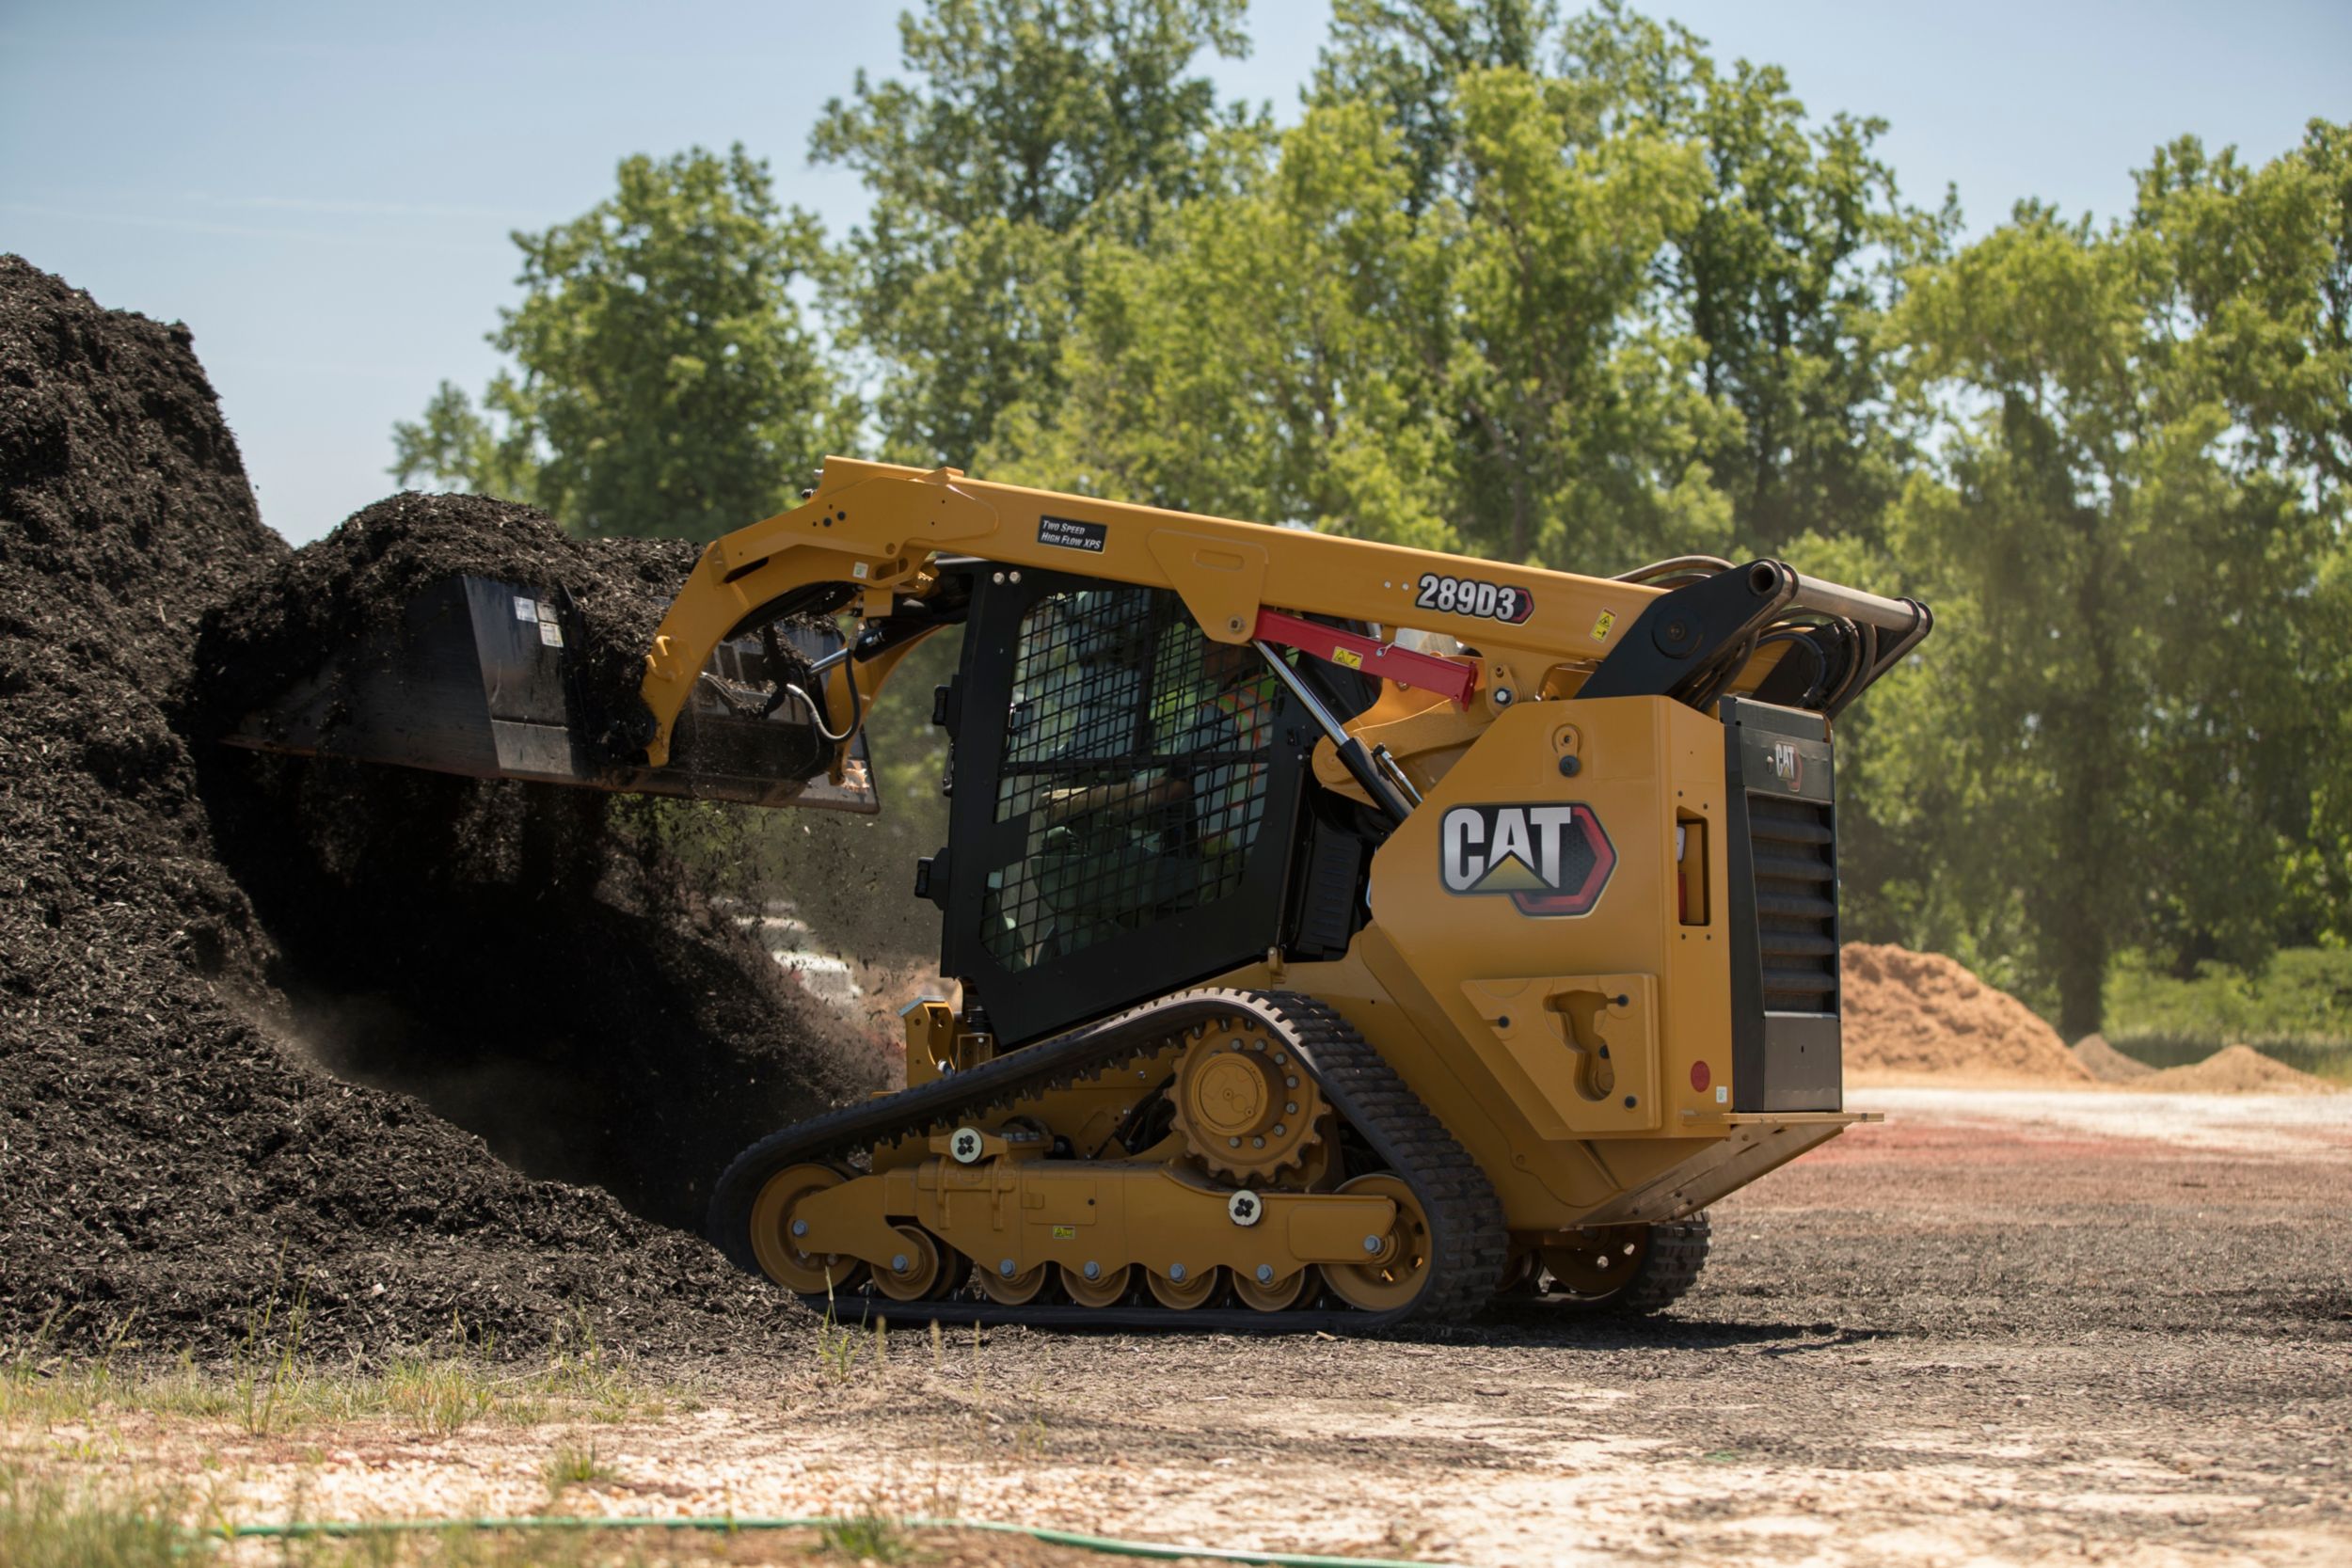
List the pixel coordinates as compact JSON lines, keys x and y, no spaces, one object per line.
{"x":187,"y":932}
{"x":2106,"y":1063}
{"x":2235,"y":1070}
{"x":1922,"y":1014}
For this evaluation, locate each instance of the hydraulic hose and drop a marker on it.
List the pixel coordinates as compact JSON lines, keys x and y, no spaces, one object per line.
{"x":1110,"y":1545}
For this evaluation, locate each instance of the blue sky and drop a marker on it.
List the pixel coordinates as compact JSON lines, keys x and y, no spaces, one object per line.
{"x":323,"y":192}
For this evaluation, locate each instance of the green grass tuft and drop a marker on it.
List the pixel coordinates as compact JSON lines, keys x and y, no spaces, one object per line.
{"x":46,"y":1524}
{"x":868,"y":1538}
{"x":571,"y":1465}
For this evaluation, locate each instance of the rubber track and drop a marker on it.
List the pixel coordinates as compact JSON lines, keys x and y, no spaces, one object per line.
{"x":1468,"y":1243}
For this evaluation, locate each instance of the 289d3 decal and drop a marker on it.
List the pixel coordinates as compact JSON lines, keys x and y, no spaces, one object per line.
{"x":1469,"y":596}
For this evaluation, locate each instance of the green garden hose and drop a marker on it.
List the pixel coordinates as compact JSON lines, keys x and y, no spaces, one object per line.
{"x":1110,"y":1545}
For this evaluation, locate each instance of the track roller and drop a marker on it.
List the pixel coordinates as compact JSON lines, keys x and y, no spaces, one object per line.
{"x":1108,"y":1287}
{"x":1197,"y":1289}
{"x":1275,"y":1295}
{"x":916,"y":1273}
{"x":1012,"y":1290}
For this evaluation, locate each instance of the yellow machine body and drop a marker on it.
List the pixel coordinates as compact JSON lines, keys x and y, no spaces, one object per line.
{"x":1574,"y":1044}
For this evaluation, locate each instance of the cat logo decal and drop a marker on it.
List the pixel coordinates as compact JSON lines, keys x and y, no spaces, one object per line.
{"x":1552,"y":858}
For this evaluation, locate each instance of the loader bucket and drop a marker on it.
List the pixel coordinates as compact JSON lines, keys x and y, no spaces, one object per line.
{"x":488,"y":679}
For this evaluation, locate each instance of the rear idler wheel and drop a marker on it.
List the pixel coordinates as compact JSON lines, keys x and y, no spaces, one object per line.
{"x":775,"y":1234}
{"x":1627,"y":1268}
{"x":1396,"y":1266}
{"x":1523,"y":1276}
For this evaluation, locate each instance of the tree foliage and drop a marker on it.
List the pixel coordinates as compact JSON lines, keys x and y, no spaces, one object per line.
{"x":2136,"y":529}
{"x":1569,"y":294}
{"x":663,"y":383}
{"x":1028,"y":127}
{"x":1779,"y":276}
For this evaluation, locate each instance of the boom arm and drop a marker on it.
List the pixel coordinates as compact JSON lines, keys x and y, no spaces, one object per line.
{"x":875,"y":527}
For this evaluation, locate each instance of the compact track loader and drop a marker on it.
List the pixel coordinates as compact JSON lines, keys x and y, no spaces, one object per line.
{"x":1346,"y":934}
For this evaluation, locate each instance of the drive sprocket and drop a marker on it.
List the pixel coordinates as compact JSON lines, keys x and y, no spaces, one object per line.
{"x":1243,"y":1107}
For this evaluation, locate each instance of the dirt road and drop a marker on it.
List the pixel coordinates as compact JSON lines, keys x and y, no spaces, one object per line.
{"x":2003,"y":1327}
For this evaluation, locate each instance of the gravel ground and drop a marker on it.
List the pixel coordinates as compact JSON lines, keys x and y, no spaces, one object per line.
{"x":2002,"y":1326}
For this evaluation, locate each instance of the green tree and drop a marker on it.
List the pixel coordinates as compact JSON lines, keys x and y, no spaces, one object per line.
{"x":1768,"y":288}
{"x":1029,"y":126}
{"x":1469,"y":365}
{"x":1781,"y":275}
{"x":663,"y":381}
{"x":1259,"y":360}
{"x":456,"y":446}
{"x":2257,"y":291}
{"x":1573,"y":404}
{"x":1583,"y":297}
{"x":1404,"y":59}
{"x":2113,"y":744}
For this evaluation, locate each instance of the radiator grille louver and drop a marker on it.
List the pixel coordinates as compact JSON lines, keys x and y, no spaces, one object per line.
{"x":1791,"y":844}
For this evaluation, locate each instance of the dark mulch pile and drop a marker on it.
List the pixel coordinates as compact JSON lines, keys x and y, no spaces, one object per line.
{"x":520,"y":957}
{"x":185,"y":932}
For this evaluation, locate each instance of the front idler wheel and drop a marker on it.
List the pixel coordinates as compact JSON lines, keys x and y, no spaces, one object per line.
{"x":777,"y":1234}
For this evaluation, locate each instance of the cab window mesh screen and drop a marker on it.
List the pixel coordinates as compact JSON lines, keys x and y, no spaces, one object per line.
{"x":1136,"y":754}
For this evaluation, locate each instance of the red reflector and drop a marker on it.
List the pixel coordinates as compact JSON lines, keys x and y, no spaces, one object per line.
{"x":1699,"y":1076}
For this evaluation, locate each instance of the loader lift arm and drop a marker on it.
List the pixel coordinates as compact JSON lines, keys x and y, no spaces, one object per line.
{"x":875,"y":531}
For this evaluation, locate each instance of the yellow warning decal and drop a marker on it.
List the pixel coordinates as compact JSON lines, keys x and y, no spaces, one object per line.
{"x":1347,"y":657}
{"x":1065,"y":1232}
{"x":1600,"y":627}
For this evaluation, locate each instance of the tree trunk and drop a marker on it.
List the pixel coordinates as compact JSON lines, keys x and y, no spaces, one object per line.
{"x":2082,"y":973}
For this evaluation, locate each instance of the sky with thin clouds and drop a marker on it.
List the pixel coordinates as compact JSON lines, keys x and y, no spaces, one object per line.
{"x":323,"y":192}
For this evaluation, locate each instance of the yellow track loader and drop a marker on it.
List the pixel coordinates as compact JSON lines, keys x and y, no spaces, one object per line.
{"x":1345,"y":935}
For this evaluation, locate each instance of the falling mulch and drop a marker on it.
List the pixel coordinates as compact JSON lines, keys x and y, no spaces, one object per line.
{"x":1924,"y":1016}
{"x":187,"y":934}
{"x":2235,"y":1070}
{"x":2106,"y":1063}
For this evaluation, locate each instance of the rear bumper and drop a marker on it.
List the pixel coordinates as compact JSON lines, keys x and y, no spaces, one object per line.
{"x":1748,"y":1147}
